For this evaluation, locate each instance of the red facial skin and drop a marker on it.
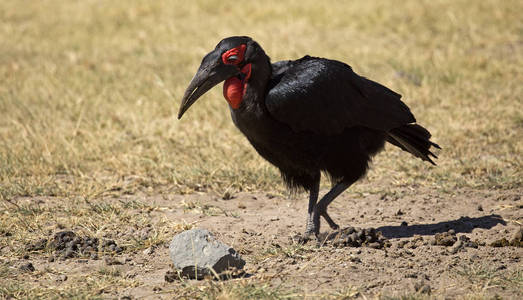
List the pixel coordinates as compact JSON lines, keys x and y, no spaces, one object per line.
{"x":234,"y":88}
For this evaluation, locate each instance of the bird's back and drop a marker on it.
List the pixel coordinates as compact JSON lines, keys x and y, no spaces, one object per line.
{"x":327,"y":96}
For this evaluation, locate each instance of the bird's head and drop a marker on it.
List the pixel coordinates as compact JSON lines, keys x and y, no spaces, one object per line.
{"x":231,"y":59}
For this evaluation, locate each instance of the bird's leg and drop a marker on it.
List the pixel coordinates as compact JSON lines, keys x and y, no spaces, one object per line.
{"x":320,"y":209}
{"x":313,"y":197}
{"x":327,"y":218}
{"x":331,"y":223}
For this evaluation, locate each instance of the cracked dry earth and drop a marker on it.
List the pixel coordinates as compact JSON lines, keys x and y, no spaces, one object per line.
{"x":434,"y":243}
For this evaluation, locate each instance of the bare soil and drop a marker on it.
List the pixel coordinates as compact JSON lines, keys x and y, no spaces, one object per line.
{"x":438,"y":244}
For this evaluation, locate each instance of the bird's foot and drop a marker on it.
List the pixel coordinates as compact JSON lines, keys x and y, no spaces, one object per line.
{"x":305,"y":238}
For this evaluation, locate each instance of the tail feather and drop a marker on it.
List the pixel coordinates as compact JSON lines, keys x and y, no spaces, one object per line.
{"x":414,"y":139}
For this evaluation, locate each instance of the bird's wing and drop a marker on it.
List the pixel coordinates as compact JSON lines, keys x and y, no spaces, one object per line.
{"x":326,"y":96}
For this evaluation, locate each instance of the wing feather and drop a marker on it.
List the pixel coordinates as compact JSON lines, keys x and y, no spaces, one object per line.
{"x":326,"y":96}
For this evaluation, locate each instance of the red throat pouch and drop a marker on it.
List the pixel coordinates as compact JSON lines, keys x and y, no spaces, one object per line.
{"x":234,"y":88}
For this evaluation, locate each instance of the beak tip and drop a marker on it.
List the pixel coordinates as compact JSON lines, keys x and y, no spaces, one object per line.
{"x":180,"y":113}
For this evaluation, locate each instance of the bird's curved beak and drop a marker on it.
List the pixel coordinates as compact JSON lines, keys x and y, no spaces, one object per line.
{"x":211,"y":72}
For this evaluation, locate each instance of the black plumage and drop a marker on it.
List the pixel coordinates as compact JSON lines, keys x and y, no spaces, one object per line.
{"x":308,"y":116}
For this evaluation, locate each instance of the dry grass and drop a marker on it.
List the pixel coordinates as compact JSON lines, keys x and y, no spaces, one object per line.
{"x":89,"y":92}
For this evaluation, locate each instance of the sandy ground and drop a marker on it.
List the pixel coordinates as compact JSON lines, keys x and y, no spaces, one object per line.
{"x":261,"y":226}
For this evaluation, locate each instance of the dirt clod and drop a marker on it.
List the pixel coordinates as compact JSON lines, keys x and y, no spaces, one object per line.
{"x":67,"y":244}
{"x":416,"y":242}
{"x":517,"y":238}
{"x":515,"y":241}
{"x":36,"y":246}
{"x":446,"y":238}
{"x":27,"y":267}
{"x":171,"y":276}
{"x":500,"y":243}
{"x":5,"y":233}
{"x":357,"y":237}
{"x":467,"y":242}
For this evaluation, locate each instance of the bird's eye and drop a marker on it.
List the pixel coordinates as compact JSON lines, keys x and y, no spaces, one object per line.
{"x":234,"y":56}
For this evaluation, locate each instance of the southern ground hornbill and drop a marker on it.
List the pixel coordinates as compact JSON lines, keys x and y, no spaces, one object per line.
{"x":308,"y":116}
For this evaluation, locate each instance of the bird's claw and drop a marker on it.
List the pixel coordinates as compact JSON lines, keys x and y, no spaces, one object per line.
{"x":304,"y":238}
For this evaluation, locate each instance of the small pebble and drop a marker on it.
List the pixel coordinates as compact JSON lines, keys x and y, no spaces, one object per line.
{"x":402,"y":243}
{"x":148,"y":251}
{"x":69,"y":253}
{"x":456,"y":247}
{"x":62,"y":277}
{"x":354,"y":258}
{"x":517,"y":237}
{"x":350,"y":230}
{"x":171,"y":276}
{"x":112,"y":261}
{"x":375,"y":245}
{"x":27,"y":267}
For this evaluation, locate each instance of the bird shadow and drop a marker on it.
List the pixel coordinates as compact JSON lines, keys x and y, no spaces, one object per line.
{"x":461,"y":225}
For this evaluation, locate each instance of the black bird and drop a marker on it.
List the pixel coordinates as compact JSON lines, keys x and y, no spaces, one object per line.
{"x":308,"y":116}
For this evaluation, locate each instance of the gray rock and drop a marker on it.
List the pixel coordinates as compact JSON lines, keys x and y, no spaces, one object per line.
{"x":195,"y":252}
